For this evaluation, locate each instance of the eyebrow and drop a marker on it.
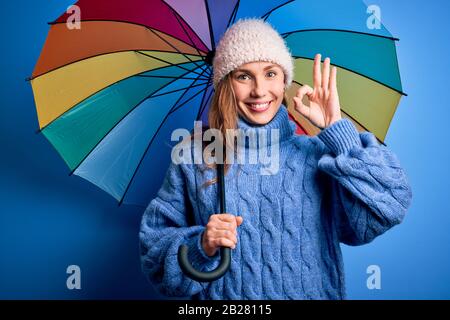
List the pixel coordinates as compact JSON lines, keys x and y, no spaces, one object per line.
{"x":266,"y":68}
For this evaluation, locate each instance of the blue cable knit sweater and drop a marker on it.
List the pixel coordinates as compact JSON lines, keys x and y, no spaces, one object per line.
{"x":339,"y":186}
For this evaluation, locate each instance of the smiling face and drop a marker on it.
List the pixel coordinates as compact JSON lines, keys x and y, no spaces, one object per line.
{"x":259,"y":91}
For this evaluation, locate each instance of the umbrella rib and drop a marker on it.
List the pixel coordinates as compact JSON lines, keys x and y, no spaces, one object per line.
{"x":359,"y":74}
{"x":153,"y":94}
{"x":203,"y":99}
{"x":169,"y":63}
{"x":185,"y":88}
{"x":286,"y":34}
{"x":138,"y":24}
{"x":348,"y":115}
{"x":112,"y":128}
{"x":186,"y":56}
{"x":203,"y":105}
{"x":102,"y":54}
{"x":179,"y":106}
{"x":189,"y":99}
{"x":173,"y":110}
{"x":148,"y":147}
{"x":175,"y":104}
{"x":178,"y":17}
{"x":266,"y":15}
{"x":233,"y":14}
{"x":139,"y":74}
{"x":170,"y":77}
{"x":211,"y":33}
{"x":398,"y":71}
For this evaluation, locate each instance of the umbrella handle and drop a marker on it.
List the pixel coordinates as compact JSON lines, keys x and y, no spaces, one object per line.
{"x":225,"y":253}
{"x":191,"y":272}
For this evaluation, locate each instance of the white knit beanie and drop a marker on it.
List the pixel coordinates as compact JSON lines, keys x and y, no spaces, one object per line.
{"x":250,"y":40}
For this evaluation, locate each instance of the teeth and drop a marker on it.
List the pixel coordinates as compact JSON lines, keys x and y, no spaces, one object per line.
{"x":259,"y":106}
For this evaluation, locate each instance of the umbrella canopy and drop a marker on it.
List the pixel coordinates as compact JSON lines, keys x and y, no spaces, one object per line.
{"x":109,"y":95}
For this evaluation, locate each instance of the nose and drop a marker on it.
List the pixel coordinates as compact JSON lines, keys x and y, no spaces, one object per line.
{"x":258,"y":88}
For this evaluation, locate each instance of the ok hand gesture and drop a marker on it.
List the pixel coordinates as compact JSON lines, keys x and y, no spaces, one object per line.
{"x":324,"y":107}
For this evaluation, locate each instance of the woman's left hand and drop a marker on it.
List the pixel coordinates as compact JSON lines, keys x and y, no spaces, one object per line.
{"x":324,"y":107}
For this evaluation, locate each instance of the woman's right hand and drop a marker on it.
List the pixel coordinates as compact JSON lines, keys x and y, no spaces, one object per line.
{"x":220,"y":232}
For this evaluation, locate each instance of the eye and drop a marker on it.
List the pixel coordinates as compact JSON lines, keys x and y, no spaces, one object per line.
{"x":242,"y":76}
{"x":271,"y":74}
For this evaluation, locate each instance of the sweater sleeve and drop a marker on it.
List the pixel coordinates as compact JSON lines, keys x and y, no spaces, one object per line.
{"x":164,"y":228}
{"x":370,"y":190}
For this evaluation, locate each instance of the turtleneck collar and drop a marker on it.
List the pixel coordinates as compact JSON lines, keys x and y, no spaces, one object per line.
{"x":286,"y":129}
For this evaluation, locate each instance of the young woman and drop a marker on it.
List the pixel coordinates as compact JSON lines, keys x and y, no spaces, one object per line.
{"x":284,"y":226}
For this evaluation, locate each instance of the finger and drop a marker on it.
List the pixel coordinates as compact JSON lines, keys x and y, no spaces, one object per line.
{"x":304,"y":90}
{"x":326,"y":73}
{"x":226,"y":217}
{"x":317,"y":77}
{"x":333,"y":86}
{"x":222,"y":233}
{"x":300,"y":106}
{"x":224,"y":242}
{"x":221,"y":225}
{"x":230,"y":235}
{"x":239,"y":220}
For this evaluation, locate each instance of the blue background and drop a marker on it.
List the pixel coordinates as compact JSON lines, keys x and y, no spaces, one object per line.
{"x":49,"y":220}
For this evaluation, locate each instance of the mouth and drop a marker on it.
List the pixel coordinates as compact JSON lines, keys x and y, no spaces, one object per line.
{"x":259,"y":107}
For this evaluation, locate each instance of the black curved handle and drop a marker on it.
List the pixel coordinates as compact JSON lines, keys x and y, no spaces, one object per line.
{"x":191,"y":272}
{"x":225,"y":253}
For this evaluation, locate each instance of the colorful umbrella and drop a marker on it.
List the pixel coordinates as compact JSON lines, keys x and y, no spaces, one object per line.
{"x":109,"y":95}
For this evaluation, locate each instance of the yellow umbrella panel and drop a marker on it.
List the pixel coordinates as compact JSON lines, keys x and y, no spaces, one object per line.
{"x":57,"y":91}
